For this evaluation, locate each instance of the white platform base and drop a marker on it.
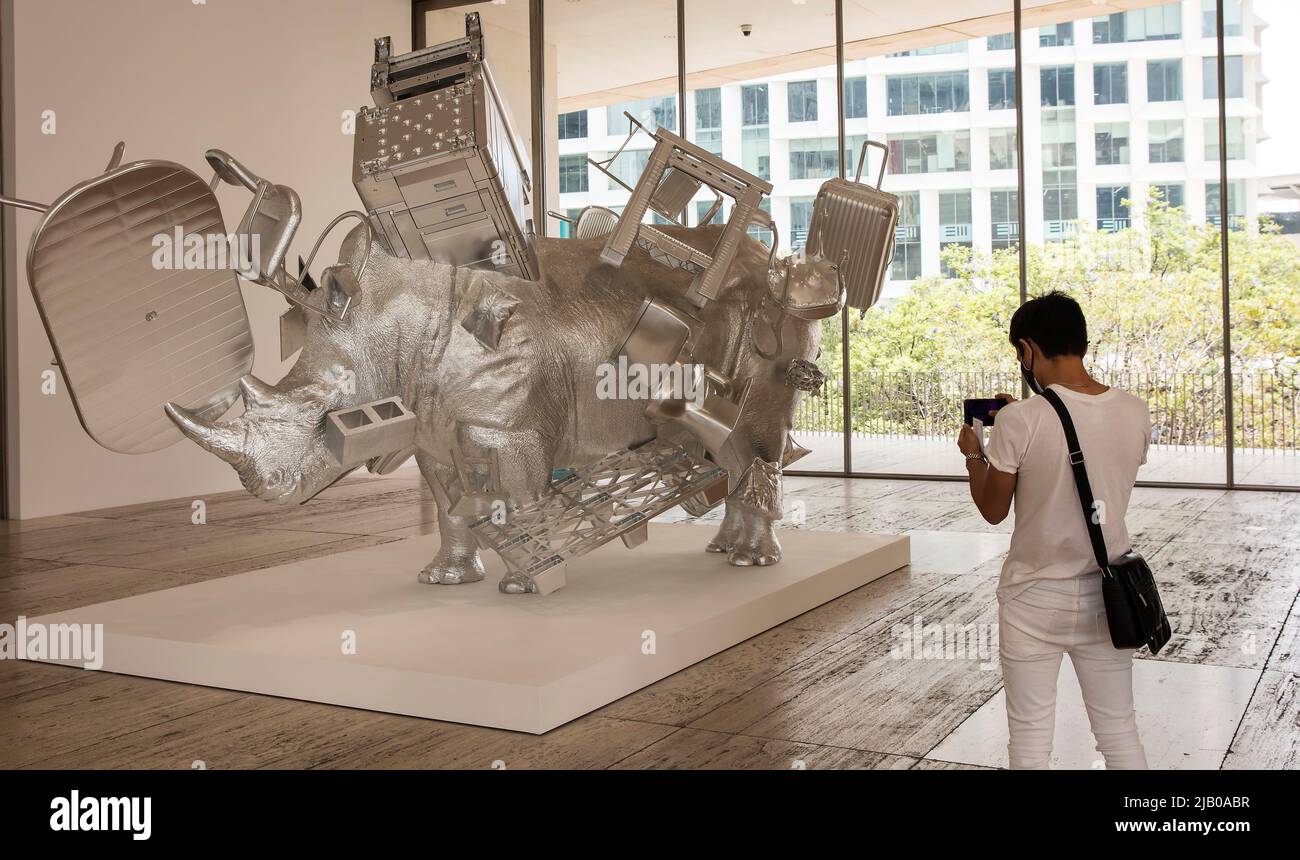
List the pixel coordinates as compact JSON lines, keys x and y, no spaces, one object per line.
{"x":468,"y":653}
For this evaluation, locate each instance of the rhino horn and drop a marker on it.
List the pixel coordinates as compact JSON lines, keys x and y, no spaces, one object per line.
{"x":256,"y":392}
{"x":225,"y":441}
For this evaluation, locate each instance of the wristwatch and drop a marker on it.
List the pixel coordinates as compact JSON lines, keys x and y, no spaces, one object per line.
{"x":978,"y":455}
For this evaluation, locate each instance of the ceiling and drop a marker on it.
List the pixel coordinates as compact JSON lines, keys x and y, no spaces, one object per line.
{"x":612,"y":50}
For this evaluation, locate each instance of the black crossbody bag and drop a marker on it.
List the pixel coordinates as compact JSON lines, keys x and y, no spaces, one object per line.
{"x":1134,"y":612}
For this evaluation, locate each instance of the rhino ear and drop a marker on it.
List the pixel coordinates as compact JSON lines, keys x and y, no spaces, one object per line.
{"x":224,"y":440}
{"x":256,"y":392}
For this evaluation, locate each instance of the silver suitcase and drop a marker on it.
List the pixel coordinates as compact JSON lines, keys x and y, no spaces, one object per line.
{"x":436,"y":162}
{"x":853,"y":224}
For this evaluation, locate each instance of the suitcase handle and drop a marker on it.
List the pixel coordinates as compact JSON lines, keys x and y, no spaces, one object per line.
{"x":862,"y":160}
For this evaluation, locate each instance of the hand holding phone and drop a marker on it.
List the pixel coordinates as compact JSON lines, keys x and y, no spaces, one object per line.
{"x":982,"y":409}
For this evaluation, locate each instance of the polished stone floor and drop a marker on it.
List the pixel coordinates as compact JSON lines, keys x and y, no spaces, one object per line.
{"x":828,"y":689}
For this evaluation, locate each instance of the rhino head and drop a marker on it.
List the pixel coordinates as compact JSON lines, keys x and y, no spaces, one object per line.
{"x":277,"y":446}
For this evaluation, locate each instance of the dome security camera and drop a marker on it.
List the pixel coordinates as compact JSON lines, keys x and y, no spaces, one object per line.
{"x":746,"y":29}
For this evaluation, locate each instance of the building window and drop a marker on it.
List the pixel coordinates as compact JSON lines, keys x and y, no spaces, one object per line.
{"x":1002,"y":42}
{"x":801,"y":99}
{"x":1057,"y":85}
{"x":1231,"y":19}
{"x":954,"y":222}
{"x":753,"y":105}
{"x":659,"y":112}
{"x":628,"y":167}
{"x":573,"y":173}
{"x":801,"y":209}
{"x":855,"y":97}
{"x":1236,"y":203}
{"x":1060,"y":203}
{"x":762,"y":234}
{"x":1112,"y":208}
{"x":1002,"y":89}
{"x":1057,"y":36}
{"x":708,"y":119}
{"x":702,"y":208}
{"x":1232,"y":75}
{"x":907,"y":238}
{"x":1165,"y":141}
{"x":1155,"y":23}
{"x":1112,"y":142}
{"x":942,"y":92}
{"x":929,"y":152}
{"x":817,"y":158}
{"x":573,"y":125}
{"x":1171,"y":194}
{"x":1004,"y":211}
{"x":1002,"y":149}
{"x":1236,"y":139}
{"x":756,"y":152}
{"x":1110,"y":83}
{"x":1058,"y":136}
{"x":933,"y":50}
{"x":1164,"y":80}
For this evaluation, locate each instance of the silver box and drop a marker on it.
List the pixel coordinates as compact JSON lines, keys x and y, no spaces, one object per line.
{"x":436,"y":162}
{"x":854,"y":219}
{"x":369,"y":430}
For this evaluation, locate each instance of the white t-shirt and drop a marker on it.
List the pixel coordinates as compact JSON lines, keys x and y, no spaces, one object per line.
{"x":1050,"y":540}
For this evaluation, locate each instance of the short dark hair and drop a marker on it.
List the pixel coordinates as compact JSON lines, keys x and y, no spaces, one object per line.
{"x":1053,"y":321}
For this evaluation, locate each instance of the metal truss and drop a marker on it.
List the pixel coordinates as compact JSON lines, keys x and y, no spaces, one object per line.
{"x":616,"y":496}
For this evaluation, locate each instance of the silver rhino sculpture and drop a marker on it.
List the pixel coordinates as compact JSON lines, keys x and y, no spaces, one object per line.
{"x":532,"y":399}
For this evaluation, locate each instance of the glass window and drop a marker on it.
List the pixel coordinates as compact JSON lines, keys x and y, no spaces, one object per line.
{"x":941,"y":92}
{"x":1139,"y":25}
{"x":658,"y":112}
{"x":1164,"y":80}
{"x":1110,"y":83}
{"x":933,"y":50}
{"x":801,"y":98}
{"x":954,"y":225}
{"x":855,"y":97}
{"x":753,"y":105}
{"x":1002,"y":149}
{"x":1171,"y":194}
{"x":1004,"y":213}
{"x":756,"y":151}
{"x":1236,"y":139}
{"x":573,"y":173}
{"x":1002,"y":42}
{"x":929,"y":152}
{"x":702,"y":208}
{"x":1236,"y":203}
{"x":1165,"y":140}
{"x":1111,"y":142}
{"x":573,"y":125}
{"x":907,"y":238}
{"x":1057,"y":85}
{"x":800,"y":219}
{"x":1112,"y":208}
{"x":1232,"y":74}
{"x":628,"y":167}
{"x":1002,"y":89}
{"x":1231,"y":19}
{"x":1056,"y":36}
{"x":708,"y":119}
{"x":815,"y":158}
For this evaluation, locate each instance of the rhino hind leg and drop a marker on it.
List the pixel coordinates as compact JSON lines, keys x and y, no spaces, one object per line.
{"x":457,"y":560}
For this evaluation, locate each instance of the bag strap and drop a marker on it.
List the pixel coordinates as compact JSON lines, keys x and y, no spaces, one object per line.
{"x":1080,"y":478}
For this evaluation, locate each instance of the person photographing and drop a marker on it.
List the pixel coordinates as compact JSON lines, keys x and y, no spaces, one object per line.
{"x":1050,"y":599}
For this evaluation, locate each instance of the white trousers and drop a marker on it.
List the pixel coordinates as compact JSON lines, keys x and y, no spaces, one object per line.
{"x":1046,"y":620}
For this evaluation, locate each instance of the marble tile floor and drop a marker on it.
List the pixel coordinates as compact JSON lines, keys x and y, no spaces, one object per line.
{"x":828,"y":689}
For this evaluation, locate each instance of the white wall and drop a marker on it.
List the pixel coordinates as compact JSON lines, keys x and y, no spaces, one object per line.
{"x":266,"y":81}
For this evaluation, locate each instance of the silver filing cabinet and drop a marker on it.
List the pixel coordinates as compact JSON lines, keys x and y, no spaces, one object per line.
{"x":436,"y":162}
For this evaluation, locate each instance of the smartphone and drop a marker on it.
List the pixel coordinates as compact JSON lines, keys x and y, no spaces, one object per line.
{"x":982,"y":408}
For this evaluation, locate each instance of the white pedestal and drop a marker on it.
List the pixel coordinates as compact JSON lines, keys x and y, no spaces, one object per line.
{"x":467,"y":653}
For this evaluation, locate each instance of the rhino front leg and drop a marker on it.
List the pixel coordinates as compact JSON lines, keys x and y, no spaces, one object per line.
{"x":757,"y":503}
{"x":457,"y":560}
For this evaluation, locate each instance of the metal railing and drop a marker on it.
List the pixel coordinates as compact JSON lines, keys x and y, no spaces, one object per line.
{"x":1187,"y":409}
